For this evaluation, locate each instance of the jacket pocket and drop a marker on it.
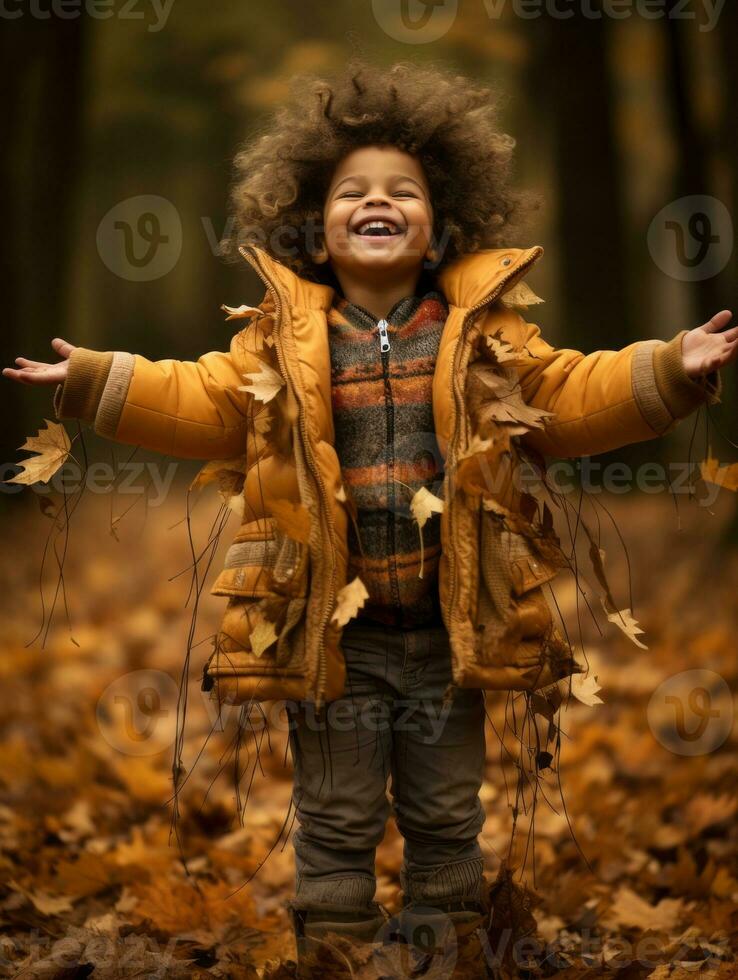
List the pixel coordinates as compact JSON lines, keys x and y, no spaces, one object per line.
{"x":247,"y":561}
{"x":265,"y":577}
{"x":262,"y":560}
{"x":511,"y":606}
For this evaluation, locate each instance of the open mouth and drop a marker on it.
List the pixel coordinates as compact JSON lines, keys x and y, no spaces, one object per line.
{"x":378,"y":228}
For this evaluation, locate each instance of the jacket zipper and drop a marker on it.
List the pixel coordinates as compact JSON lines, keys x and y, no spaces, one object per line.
{"x":384,"y":344}
{"x":384,"y":347}
{"x":324,"y":509}
{"x":457,"y":396}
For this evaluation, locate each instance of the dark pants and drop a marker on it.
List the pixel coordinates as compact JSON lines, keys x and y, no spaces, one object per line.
{"x":391,"y":722}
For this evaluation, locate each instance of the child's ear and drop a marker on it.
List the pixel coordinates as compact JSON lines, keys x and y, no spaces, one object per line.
{"x":319,"y":253}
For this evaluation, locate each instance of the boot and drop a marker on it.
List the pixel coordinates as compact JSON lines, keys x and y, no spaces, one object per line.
{"x":444,"y":940}
{"x":325,"y":934}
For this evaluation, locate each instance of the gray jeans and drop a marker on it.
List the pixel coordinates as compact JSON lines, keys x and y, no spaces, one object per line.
{"x":392,"y":721}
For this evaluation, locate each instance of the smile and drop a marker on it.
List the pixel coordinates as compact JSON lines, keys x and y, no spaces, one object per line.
{"x":377,"y":228}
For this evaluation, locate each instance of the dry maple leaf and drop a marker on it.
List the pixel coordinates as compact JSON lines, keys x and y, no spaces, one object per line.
{"x":629,"y":909}
{"x":508,"y":404}
{"x":722,"y":476}
{"x":520,"y":295}
{"x":503,"y":351}
{"x":53,"y":446}
{"x":348,"y":601}
{"x":623,"y":619}
{"x":46,"y":904}
{"x":224,"y":472}
{"x":423,"y":505}
{"x":585,"y":689}
{"x":237,"y":312}
{"x":293,"y":519}
{"x":704,"y":810}
{"x":265,"y":383}
{"x":261,"y":637}
{"x":512,"y":408}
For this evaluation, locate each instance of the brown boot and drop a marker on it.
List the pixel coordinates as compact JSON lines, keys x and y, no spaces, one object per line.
{"x":328,"y":934}
{"x":445,"y":940}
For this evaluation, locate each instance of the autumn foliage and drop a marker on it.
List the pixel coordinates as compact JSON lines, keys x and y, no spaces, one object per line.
{"x":618,"y":836}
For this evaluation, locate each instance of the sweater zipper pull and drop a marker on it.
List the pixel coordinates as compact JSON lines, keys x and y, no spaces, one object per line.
{"x":384,"y":344}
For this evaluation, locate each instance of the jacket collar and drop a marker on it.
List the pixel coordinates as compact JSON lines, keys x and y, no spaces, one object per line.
{"x":466,"y":282}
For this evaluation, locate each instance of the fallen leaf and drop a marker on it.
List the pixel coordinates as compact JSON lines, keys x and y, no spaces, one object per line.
{"x":722,"y":476}
{"x":423,"y":505}
{"x":45,"y":903}
{"x":227,"y":473}
{"x":349,"y":600}
{"x":520,"y":295}
{"x":292,"y":519}
{"x":629,"y":909}
{"x":585,"y":689}
{"x":237,"y":312}
{"x":53,"y":446}
{"x":261,"y":637}
{"x":703,"y":810}
{"x":265,"y":383}
{"x":623,"y":620}
{"x":502,"y":350}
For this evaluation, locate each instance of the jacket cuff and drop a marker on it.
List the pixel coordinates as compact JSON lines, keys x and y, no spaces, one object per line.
{"x":114,"y":394}
{"x":78,"y":397}
{"x":662,"y":388}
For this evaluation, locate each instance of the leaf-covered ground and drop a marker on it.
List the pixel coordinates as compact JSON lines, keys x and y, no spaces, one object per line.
{"x":99,"y":880}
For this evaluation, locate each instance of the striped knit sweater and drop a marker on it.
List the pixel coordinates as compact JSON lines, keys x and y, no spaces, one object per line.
{"x":385,"y":437}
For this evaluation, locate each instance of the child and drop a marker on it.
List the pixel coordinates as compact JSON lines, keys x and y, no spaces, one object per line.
{"x":387,"y":347}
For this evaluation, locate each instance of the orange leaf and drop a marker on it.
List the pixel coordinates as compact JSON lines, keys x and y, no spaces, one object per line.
{"x":293,"y":519}
{"x":722,"y":476}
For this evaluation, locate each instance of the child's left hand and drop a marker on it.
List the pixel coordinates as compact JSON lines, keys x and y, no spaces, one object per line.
{"x":705,"y":349}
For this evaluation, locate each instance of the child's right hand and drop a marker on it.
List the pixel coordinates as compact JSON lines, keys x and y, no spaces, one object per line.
{"x":38,"y":373}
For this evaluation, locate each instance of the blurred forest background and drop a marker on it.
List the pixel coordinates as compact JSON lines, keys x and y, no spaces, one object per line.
{"x":615,"y":121}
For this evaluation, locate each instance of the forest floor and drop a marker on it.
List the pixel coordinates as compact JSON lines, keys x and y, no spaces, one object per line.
{"x":634,"y":869}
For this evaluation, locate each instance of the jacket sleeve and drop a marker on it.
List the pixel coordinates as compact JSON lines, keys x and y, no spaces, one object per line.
{"x":608,"y":398}
{"x":187,"y":409}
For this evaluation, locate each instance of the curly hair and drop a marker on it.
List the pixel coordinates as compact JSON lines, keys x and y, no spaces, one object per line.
{"x":448,"y":122}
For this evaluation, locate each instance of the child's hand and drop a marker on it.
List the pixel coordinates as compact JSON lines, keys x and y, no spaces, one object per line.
{"x":705,"y":349}
{"x":38,"y":373}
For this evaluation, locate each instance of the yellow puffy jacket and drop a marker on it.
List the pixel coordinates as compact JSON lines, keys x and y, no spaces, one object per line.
{"x":501,"y":395}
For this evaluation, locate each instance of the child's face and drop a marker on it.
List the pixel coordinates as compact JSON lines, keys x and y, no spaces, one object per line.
{"x":378,"y":183}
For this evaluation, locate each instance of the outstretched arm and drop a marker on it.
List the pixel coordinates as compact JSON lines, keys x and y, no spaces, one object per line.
{"x":188,"y":409}
{"x":609,"y":399}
